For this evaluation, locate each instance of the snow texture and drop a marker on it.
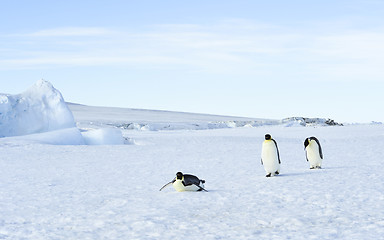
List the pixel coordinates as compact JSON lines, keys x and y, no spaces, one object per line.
{"x":103,"y":136}
{"x":53,"y":186}
{"x":112,"y":192}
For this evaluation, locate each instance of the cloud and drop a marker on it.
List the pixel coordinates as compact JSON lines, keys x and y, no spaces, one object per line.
{"x":353,"y":45}
{"x":228,"y":47}
{"x":82,"y":60}
{"x":71,"y":32}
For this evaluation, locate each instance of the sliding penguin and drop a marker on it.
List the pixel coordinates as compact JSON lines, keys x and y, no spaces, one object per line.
{"x":313,"y":152}
{"x":270,"y":156}
{"x":186,"y":182}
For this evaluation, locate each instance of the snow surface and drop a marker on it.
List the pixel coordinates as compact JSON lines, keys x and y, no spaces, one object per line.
{"x":112,"y":191}
{"x":103,"y":136}
{"x":54,"y":186}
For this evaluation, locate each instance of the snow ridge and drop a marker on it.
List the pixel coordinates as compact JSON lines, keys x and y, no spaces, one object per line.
{"x":308,"y":122}
{"x":155,"y":120}
{"x":286,"y":122}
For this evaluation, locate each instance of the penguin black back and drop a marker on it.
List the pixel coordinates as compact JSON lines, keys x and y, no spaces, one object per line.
{"x":188,"y":179}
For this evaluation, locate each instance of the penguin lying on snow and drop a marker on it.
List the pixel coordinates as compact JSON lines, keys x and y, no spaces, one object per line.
{"x":186,"y":182}
{"x":270,"y":156}
{"x":313,"y":152}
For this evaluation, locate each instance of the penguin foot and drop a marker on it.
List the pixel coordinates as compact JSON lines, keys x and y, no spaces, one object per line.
{"x":277,"y":173}
{"x":316,"y":167}
{"x":269,"y":175}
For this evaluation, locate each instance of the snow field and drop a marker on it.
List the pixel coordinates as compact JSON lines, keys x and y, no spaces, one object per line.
{"x":112,"y":192}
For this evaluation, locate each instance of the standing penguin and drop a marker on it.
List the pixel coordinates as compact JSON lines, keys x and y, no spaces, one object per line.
{"x":313,"y":152}
{"x":270,"y":156}
{"x":186,"y":182}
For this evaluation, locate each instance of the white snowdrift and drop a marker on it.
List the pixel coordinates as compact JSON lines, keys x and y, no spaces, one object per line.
{"x":39,"y":109}
{"x":72,"y":136}
{"x":40,"y":115}
{"x":67,"y":136}
{"x":103,"y":136}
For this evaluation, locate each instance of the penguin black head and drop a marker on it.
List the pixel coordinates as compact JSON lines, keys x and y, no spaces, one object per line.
{"x":306,"y":142}
{"x":268,"y":137}
{"x":179,"y":175}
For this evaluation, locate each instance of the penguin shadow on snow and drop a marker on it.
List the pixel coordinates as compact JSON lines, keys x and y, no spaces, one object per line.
{"x":311,"y":171}
{"x":293,"y":174}
{"x":332,"y":168}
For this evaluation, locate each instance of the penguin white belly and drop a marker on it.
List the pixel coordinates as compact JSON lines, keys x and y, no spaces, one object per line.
{"x":270,"y":157}
{"x":179,"y":186}
{"x":313,"y":155}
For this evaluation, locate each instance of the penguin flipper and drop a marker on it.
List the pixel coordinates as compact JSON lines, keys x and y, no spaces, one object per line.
{"x":320,"y":150}
{"x":318,"y":143}
{"x":166,"y":185}
{"x":277,"y":149}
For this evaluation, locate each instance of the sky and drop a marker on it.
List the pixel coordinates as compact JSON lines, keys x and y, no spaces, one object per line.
{"x":262,"y":59}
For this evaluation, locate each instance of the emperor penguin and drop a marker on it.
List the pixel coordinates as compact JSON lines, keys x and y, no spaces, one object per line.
{"x":186,"y":182}
{"x":313,"y":152}
{"x":270,"y":156}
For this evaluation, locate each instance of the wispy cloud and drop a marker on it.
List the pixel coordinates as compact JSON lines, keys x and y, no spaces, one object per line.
{"x":233,"y":47}
{"x":71,"y":32}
